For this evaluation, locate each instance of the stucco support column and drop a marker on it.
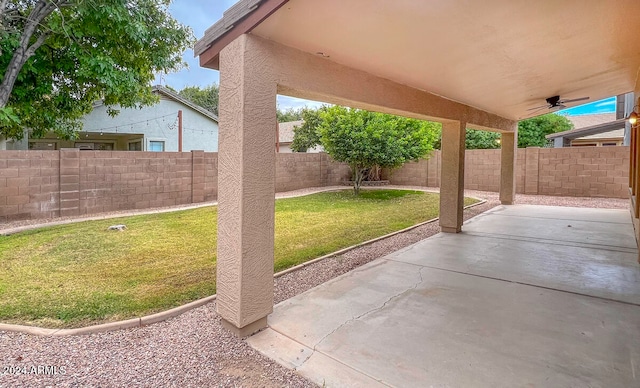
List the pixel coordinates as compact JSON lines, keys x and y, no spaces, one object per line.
{"x":246,"y":188}
{"x":508,"y":168}
{"x":452,"y":176}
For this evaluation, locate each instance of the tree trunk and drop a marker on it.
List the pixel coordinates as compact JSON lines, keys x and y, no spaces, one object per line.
{"x":40,"y":11}
{"x":358,"y":176}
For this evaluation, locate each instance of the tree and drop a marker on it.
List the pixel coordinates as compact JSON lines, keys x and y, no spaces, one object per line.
{"x":532,"y":132}
{"x":307,"y":135}
{"x":205,"y":97}
{"x":290,"y":114}
{"x":365,"y":139}
{"x":476,"y":139}
{"x":60,"y":56}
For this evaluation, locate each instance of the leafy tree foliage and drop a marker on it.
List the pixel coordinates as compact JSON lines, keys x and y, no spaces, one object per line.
{"x":307,"y":135}
{"x":290,"y":114}
{"x":475,"y":139}
{"x":532,"y":132}
{"x":205,"y":97}
{"x":60,"y":56}
{"x":365,"y":139}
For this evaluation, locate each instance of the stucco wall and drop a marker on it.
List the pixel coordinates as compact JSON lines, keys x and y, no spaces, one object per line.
{"x":199,"y":131}
{"x":152,"y":123}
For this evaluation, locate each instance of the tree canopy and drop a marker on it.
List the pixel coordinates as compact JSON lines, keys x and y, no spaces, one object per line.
{"x":60,"y":56}
{"x":290,"y":114}
{"x":206,"y":97}
{"x":476,"y":139}
{"x":532,"y":132}
{"x":365,"y":139}
{"x":307,"y":135}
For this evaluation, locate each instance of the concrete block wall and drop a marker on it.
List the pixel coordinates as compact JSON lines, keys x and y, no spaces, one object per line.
{"x":29,"y":184}
{"x":120,"y":180}
{"x":425,"y":172}
{"x":584,"y":171}
{"x":68,"y":182}
{"x":482,"y":170}
{"x":573,"y":171}
{"x":210,"y":176}
{"x":334,"y":173}
{"x":298,"y":170}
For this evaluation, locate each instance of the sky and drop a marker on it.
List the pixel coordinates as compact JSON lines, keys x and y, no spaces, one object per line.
{"x":607,"y":105}
{"x":201,"y":14}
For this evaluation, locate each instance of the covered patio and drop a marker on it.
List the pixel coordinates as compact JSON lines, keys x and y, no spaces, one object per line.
{"x":526,"y":296}
{"x":464,"y":64}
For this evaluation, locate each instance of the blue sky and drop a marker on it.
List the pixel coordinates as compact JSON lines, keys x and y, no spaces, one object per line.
{"x":602,"y":106}
{"x":201,"y":14}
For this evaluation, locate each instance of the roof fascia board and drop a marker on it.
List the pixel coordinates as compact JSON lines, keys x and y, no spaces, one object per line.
{"x":176,"y":97}
{"x":240,"y":19}
{"x":592,"y":130}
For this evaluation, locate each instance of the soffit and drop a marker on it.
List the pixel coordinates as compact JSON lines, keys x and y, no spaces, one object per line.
{"x":503,"y":57}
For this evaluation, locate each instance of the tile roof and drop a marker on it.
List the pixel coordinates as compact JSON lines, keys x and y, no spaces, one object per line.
{"x":589,"y":120}
{"x":615,"y":134}
{"x":286,"y":130}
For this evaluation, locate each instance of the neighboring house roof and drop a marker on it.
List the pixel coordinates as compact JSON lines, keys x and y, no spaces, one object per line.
{"x":589,"y":120}
{"x":615,"y":134}
{"x":285,"y":130}
{"x":591,"y":130}
{"x":166,"y":92}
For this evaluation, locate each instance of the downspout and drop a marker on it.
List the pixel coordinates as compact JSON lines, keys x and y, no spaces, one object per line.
{"x":180,"y":131}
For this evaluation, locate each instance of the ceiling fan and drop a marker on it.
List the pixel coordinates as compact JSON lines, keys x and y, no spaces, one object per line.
{"x":555,"y":103}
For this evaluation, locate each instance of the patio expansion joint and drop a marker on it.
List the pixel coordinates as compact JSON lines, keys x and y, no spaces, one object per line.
{"x":422,"y":266}
{"x":560,"y":219}
{"x":353,"y":319}
{"x":577,"y":244}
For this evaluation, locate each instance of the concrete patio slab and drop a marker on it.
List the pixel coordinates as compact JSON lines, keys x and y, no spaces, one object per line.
{"x":495,"y":306}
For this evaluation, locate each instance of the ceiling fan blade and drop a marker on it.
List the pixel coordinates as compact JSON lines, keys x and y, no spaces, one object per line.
{"x":539,"y":107}
{"x":573,"y":100}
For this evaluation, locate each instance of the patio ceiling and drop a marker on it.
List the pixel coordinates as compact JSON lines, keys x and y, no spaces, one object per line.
{"x":503,"y":57}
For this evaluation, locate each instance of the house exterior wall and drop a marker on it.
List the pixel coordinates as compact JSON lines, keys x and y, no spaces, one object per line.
{"x":101,"y":181}
{"x":152,"y":123}
{"x":159,"y":122}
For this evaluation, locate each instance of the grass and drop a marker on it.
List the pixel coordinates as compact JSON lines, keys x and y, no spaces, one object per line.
{"x":79,"y":274}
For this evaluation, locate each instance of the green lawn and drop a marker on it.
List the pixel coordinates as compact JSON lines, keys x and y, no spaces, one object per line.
{"x":79,"y":274}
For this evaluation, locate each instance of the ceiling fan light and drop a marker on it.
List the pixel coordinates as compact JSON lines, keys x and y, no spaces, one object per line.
{"x":633,"y":118}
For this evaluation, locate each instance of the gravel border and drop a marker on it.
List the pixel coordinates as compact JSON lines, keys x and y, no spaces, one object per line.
{"x":193,"y":350}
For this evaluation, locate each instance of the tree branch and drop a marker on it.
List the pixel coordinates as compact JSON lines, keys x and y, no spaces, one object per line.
{"x":36,"y":45}
{"x":3,"y":8}
{"x":40,"y":11}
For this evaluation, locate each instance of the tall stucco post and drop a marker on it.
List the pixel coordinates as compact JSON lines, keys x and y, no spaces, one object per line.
{"x":246,"y":188}
{"x":508,"y":167}
{"x":452,"y":176}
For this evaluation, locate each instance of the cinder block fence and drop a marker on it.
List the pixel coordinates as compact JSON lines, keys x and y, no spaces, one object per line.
{"x":69,"y":182}
{"x":577,"y":172}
